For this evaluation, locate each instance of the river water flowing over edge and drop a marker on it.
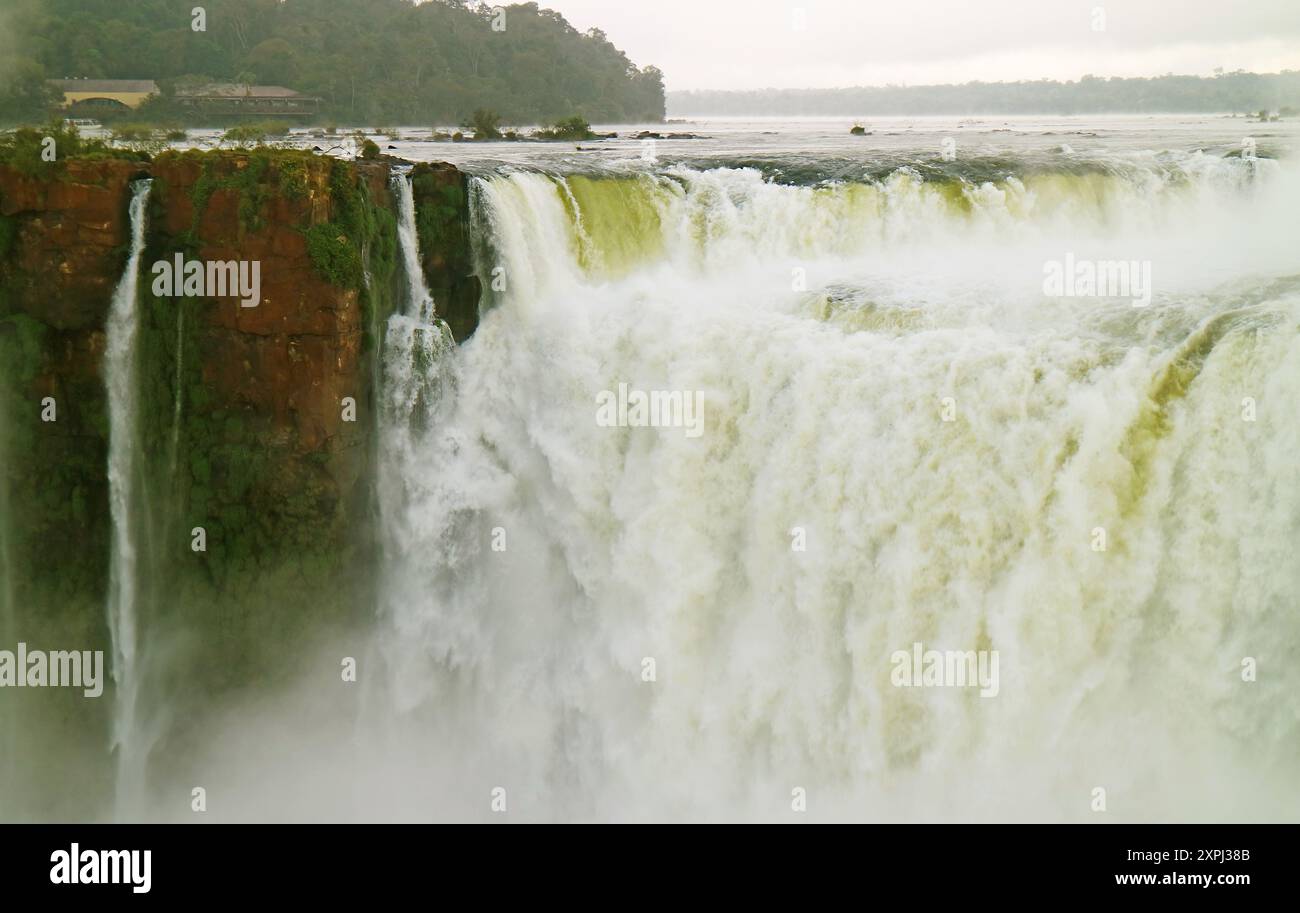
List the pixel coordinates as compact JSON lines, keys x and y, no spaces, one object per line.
{"x":616,"y":622}
{"x":826,"y":328}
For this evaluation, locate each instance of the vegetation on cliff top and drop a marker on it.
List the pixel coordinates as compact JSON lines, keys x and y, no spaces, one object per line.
{"x":338,"y":247}
{"x":30,"y":150}
{"x":370,"y":61}
{"x":255,"y":175}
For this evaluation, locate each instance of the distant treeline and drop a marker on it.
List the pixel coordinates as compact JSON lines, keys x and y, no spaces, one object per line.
{"x":371,"y":61}
{"x":1238,"y":92}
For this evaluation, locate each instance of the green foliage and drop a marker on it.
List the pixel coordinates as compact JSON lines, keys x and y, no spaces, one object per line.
{"x":22,"y":340}
{"x":24,"y":148}
{"x":346,"y":52}
{"x":56,"y":516}
{"x":133,"y":133}
{"x":369,"y":150}
{"x":254,"y":133}
{"x":255,"y":175}
{"x":140,"y":137}
{"x":335,"y":255}
{"x":571,"y":128}
{"x":25,"y":96}
{"x":336,"y":247}
{"x":437,"y":211}
{"x":246,"y":181}
{"x":485,"y":123}
{"x":376,"y":299}
{"x":8,"y":235}
{"x":293,"y":176}
{"x":351,"y":201}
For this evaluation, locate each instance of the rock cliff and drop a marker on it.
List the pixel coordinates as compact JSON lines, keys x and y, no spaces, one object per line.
{"x":257,"y":425}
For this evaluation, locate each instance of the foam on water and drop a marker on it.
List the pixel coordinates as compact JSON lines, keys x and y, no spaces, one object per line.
{"x":824,"y":394}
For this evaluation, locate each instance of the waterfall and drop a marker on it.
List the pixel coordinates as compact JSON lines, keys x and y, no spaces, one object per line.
{"x":418,"y":374}
{"x":123,"y":474}
{"x":419,"y":302}
{"x":626,"y":621}
{"x":416,"y":340}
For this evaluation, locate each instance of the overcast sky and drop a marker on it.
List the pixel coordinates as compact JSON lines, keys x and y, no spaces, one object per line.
{"x":738,"y":44}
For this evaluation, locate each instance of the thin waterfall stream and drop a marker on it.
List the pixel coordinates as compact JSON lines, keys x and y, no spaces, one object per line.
{"x":123,"y":475}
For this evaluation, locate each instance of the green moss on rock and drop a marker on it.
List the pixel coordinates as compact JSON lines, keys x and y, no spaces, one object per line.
{"x":336,"y":257}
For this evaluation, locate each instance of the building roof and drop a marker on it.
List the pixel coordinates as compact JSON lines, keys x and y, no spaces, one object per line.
{"x":235,"y":90}
{"x":107,"y":85}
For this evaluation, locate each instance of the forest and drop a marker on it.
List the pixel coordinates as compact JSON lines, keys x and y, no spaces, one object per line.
{"x":370,"y":61}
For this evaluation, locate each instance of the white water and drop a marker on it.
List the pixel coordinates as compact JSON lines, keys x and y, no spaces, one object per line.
{"x":419,"y":303}
{"x":123,"y":441}
{"x":416,"y":346}
{"x":416,"y":338}
{"x":1119,"y":669}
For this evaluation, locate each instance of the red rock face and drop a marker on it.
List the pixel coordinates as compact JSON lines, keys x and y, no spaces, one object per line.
{"x":243,"y":429}
{"x":292,"y":358}
{"x":70,"y":246}
{"x":68,"y":233}
{"x":71,"y":232}
{"x":272,"y":381}
{"x":289,"y":361}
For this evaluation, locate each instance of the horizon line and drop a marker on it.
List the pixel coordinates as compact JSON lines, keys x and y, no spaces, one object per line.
{"x":997,"y":82}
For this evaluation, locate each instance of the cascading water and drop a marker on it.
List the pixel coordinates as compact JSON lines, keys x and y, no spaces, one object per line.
{"x":417,"y":356}
{"x":419,"y":302}
{"x":617,"y":622}
{"x":123,"y":447}
{"x":416,"y":340}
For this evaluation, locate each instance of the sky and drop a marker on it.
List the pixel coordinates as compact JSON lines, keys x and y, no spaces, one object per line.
{"x":751,"y":44}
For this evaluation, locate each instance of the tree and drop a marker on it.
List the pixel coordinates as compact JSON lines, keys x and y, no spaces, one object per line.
{"x":371,"y":61}
{"x":486,"y":124}
{"x":26,"y":97}
{"x":274,"y":61}
{"x":571,"y":128}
